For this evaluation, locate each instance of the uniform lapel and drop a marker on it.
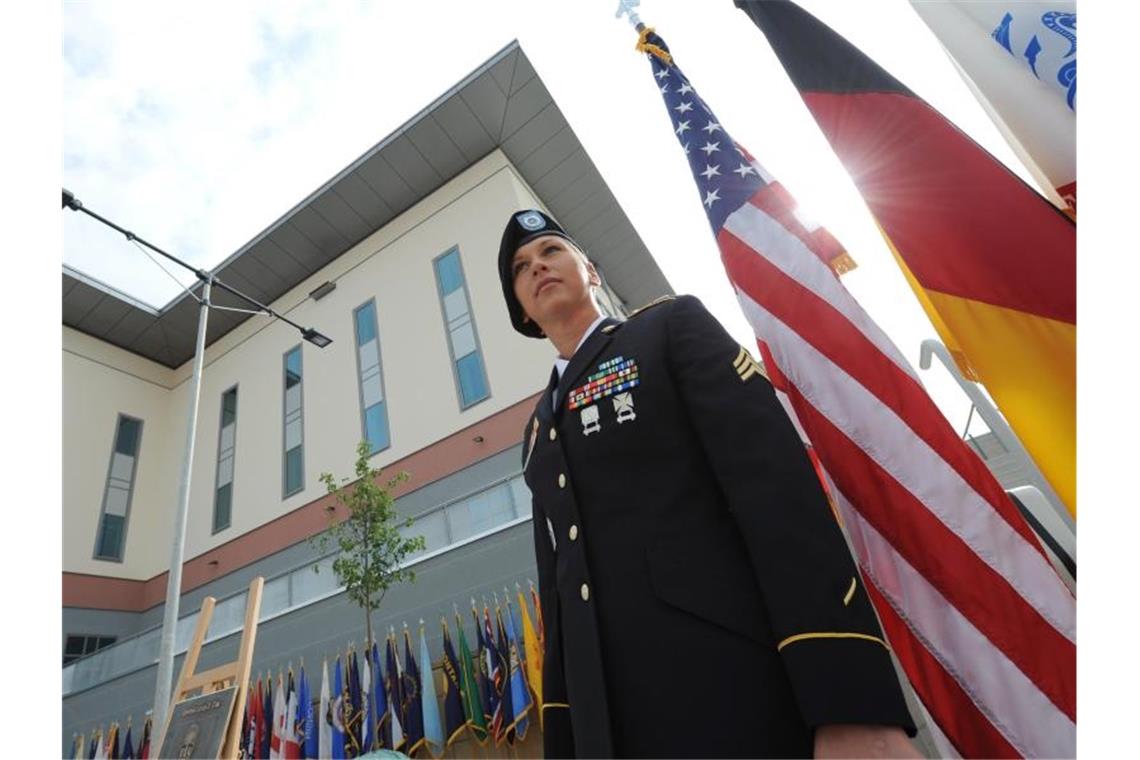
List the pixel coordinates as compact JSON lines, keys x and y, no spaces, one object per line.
{"x":580,"y":361}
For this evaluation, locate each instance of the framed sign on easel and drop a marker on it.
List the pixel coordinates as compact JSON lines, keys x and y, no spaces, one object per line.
{"x":206,"y":711}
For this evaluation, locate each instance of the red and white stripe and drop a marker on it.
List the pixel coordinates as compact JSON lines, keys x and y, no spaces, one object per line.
{"x":979,"y":619}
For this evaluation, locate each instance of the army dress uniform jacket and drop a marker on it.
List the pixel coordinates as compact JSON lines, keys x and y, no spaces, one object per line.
{"x":698,"y":596}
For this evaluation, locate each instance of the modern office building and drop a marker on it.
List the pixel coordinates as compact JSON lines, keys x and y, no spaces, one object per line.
{"x":393,"y":258}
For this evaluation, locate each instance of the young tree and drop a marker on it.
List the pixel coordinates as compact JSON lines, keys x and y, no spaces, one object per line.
{"x":370,"y":547}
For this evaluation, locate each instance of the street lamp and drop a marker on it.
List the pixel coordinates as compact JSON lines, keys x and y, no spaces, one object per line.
{"x":174,"y":579}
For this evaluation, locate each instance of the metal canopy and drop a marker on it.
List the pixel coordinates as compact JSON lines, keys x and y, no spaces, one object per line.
{"x":502,"y":104}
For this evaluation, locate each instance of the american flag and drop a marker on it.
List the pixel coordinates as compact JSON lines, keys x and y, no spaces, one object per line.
{"x":980,"y":621}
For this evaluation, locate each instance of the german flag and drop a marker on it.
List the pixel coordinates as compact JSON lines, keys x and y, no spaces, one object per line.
{"x":992,"y":262}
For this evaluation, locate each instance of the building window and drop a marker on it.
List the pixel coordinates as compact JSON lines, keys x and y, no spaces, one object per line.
{"x":294,"y":457}
{"x":373,"y":406}
{"x":463,"y":339}
{"x":80,"y":646}
{"x":471,"y":515}
{"x":120,"y":486}
{"x":224,"y":489}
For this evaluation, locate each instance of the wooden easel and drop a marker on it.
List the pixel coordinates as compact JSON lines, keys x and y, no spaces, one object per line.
{"x":234,"y":673}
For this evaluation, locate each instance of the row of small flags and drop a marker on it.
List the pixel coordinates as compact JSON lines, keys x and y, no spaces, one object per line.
{"x":112,"y":746}
{"x":488,"y":692}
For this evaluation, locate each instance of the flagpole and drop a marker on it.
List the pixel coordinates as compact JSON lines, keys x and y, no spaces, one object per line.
{"x":998,"y":426}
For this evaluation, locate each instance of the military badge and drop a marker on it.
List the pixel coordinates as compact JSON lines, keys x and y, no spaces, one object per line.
{"x":590,"y":420}
{"x":530,"y":221}
{"x":612,"y":376}
{"x":623,"y":405}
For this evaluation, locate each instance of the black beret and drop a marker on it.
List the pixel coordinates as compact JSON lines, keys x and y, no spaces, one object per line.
{"x":523,"y":226}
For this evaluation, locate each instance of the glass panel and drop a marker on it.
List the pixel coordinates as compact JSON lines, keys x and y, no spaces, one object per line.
{"x":147,"y":645}
{"x":127,"y":440}
{"x":226,"y":471}
{"x":522,"y":497}
{"x":110,"y":537}
{"x":369,"y":356}
{"x":489,"y":509}
{"x":371,"y":390}
{"x":293,"y":366}
{"x":459,"y":521}
{"x":184,"y":631}
{"x":226,"y":442}
{"x":376,"y":426}
{"x":105,"y":641}
{"x":365,"y":324}
{"x":455,"y":304}
{"x":292,"y":398}
{"x":275,"y":596}
{"x":463,"y":340}
{"x":293,"y":474}
{"x":471,"y":383}
{"x":229,"y":616}
{"x":447,"y":269}
{"x":121,"y":466}
{"x":222,"y":507}
{"x":74,"y":645}
{"x":293,"y":432}
{"x":120,"y":659}
{"x":116,"y":501}
{"x":229,"y":407}
{"x":308,"y":584}
{"x":433,"y":528}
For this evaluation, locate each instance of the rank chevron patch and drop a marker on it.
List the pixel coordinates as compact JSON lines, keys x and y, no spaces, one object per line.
{"x":746,"y":366}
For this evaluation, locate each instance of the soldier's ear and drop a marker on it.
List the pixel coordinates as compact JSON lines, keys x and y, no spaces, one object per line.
{"x":595,"y":278}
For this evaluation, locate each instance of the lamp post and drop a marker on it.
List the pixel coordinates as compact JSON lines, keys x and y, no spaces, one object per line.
{"x":177,"y":550}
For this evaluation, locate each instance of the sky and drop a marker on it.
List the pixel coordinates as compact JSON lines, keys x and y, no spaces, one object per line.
{"x":197,"y":125}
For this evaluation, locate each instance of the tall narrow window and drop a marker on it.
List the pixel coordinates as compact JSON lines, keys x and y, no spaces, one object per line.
{"x":294,"y":459}
{"x":466,"y":356}
{"x":224,"y":490}
{"x":373,"y":407}
{"x":120,"y":486}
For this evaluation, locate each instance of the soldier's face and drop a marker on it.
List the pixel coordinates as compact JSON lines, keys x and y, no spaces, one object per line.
{"x":552,"y":279}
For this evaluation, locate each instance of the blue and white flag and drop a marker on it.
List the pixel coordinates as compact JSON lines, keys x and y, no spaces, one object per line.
{"x":1019,"y":57}
{"x":433,"y":728}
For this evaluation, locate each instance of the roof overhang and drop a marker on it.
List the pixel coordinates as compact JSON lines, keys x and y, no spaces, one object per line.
{"x":502,"y":104}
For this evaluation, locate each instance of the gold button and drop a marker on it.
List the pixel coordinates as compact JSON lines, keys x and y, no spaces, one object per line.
{"x":553,"y":434}
{"x":573,"y":532}
{"x":561,"y":481}
{"x":585,"y":592}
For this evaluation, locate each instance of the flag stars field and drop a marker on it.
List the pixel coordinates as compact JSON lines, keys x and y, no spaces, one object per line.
{"x":710,"y":171}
